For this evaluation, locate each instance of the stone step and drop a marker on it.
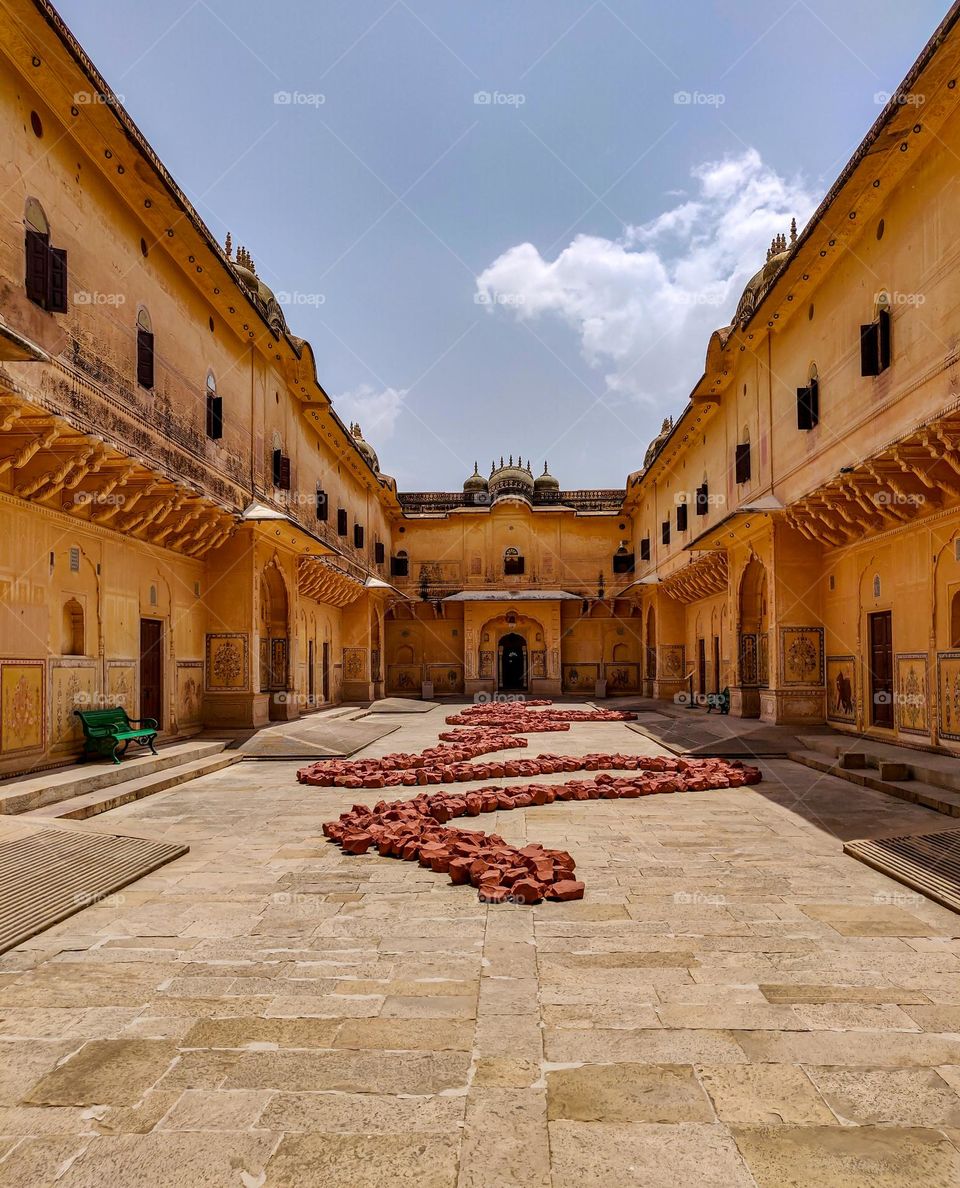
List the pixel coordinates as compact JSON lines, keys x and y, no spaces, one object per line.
{"x":91,"y":804}
{"x":931,"y":796}
{"x":942,"y":771}
{"x":66,"y":783}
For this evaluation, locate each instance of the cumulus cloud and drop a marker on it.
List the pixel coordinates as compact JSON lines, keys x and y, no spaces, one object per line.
{"x":644,"y":305}
{"x":376,"y":410}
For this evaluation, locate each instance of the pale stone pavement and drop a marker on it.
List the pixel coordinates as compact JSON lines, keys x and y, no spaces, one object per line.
{"x":735,"y":1002}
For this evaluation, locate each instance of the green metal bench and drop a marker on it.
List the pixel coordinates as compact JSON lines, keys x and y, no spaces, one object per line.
{"x":105,"y":731}
{"x":719,"y":701}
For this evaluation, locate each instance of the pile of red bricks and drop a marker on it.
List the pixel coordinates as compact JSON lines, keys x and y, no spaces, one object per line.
{"x":429,"y":766}
{"x":508,"y":715}
{"x":415,"y":830}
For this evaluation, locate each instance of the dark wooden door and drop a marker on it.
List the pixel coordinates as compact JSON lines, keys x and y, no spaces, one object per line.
{"x":702,"y":667}
{"x":326,"y":671}
{"x":151,"y":669}
{"x":716,"y":664}
{"x":513,"y":662}
{"x":881,"y":669}
{"x":311,"y":682}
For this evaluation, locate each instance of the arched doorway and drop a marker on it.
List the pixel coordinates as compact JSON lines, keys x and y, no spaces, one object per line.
{"x":651,"y":650}
{"x":273,"y":631}
{"x":512,"y":667}
{"x":754,"y":629}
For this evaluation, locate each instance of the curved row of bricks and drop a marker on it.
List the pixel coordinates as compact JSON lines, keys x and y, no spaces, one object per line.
{"x":415,"y":830}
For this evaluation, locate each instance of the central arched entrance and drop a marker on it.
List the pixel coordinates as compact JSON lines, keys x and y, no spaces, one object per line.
{"x":512,"y":666}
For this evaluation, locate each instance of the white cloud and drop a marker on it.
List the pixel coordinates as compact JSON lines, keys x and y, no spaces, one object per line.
{"x":644,"y":305}
{"x":377,"y":411}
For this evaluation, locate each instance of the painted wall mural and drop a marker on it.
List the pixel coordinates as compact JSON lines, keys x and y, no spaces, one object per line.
{"x":538,"y":665}
{"x":948,"y":684}
{"x":403,"y":678}
{"x":841,"y":689}
{"x":21,"y":705}
{"x":72,"y":686}
{"x":580,"y":678}
{"x":801,"y":655}
{"x":622,"y":678}
{"x":227,"y":662}
{"x":446,"y":678}
{"x":913,"y":693}
{"x":189,"y":692}
{"x":122,"y":685}
{"x":354,"y":664}
{"x":671,"y":662}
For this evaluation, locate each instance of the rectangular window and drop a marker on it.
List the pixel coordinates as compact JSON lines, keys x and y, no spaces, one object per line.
{"x":284,"y":483}
{"x":399,"y":566}
{"x":214,"y":416}
{"x":323,"y":506}
{"x":703,"y":500}
{"x":623,"y":563}
{"x":144,"y":358}
{"x":875,"y":345}
{"x":645,"y":549}
{"x":277,"y":459}
{"x":38,"y":267}
{"x":341,"y":521}
{"x":358,"y":536}
{"x":681,"y":517}
{"x":743,"y":462}
{"x":665,"y":531}
{"x":808,"y":406}
{"x":57,"y":298}
{"x":379,"y":552}
{"x":513,"y":566}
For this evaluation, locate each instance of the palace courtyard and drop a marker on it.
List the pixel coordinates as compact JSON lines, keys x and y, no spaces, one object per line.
{"x":734,"y":1001}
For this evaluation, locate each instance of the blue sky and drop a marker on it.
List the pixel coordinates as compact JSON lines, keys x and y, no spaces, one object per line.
{"x":509,"y":226}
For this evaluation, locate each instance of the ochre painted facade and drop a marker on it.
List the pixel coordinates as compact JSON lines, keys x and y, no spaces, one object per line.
{"x":188,"y":529}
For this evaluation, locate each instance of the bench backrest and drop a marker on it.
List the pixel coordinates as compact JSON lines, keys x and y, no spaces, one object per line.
{"x":115,"y":716}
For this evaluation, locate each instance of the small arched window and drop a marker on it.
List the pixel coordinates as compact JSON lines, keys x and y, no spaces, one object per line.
{"x":214,"y":404}
{"x":144,"y":350}
{"x":74,"y":641}
{"x":512,"y":563}
{"x":955,"y":620}
{"x":46,"y":266}
{"x":808,"y":401}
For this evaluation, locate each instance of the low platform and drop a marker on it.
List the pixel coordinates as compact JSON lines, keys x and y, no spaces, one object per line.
{"x":50,"y":870}
{"x":927,"y":862}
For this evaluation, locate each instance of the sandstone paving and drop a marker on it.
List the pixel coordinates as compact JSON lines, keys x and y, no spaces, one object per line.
{"x":734,"y":1001}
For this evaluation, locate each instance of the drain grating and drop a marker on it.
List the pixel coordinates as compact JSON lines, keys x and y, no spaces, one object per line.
{"x":49,"y":872}
{"x":927,"y":862}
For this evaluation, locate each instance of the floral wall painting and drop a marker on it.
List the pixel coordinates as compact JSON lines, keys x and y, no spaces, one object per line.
{"x":227,"y":664}
{"x":841,"y":689}
{"x":580,"y":677}
{"x":948,"y":682}
{"x":354,"y":664}
{"x":671,"y":662}
{"x":801,"y":655}
{"x":912,"y":693}
{"x":21,"y":705}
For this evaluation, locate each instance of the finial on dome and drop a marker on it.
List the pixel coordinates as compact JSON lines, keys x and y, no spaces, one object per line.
{"x":228,"y":246}
{"x":544,"y":467}
{"x":476,"y":468}
{"x":793,"y":232}
{"x":501,"y":459}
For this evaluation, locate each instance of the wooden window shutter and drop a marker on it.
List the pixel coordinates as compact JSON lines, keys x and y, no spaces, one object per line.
{"x":681,"y":517}
{"x":645,"y":549}
{"x":145,"y":359}
{"x":870,"y":349}
{"x":277,"y":461}
{"x":358,"y":536}
{"x":883,"y":334}
{"x":323,"y":506}
{"x":214,"y":416}
{"x":284,"y":483}
{"x":665,"y":531}
{"x":341,"y":521}
{"x":743,"y":462}
{"x":806,"y":407}
{"x":57,"y":298}
{"x":703,"y":500}
{"x":38,"y":267}
{"x":379,"y":552}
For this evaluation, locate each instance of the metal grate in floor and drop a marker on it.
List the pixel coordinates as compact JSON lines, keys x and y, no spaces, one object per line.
{"x":927,"y":862}
{"x":48,"y":872}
